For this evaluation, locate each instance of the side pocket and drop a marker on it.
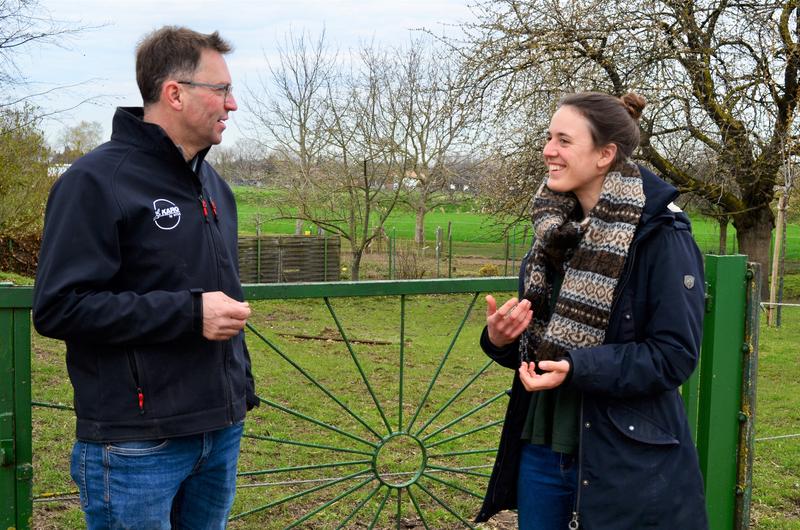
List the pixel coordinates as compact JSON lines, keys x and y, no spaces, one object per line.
{"x":136,"y":379}
{"x":636,"y":426}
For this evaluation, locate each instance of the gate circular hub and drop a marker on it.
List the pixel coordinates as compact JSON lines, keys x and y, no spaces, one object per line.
{"x":400,"y":460}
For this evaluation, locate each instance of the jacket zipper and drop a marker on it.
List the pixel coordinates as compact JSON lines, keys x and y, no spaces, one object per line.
{"x":204,"y":203}
{"x":135,"y":373}
{"x":574,"y":522}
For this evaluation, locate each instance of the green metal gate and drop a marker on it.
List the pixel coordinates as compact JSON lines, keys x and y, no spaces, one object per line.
{"x":394,"y":460}
{"x":16,"y":470}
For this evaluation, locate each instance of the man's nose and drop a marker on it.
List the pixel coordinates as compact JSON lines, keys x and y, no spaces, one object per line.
{"x":230,"y":102}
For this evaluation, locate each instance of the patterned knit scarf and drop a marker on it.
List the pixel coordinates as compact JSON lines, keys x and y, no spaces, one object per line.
{"x":590,"y":254}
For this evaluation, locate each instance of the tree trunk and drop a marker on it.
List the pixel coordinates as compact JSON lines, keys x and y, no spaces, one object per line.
{"x":419,"y":231}
{"x":753,"y":232}
{"x":723,"y":236}
{"x":355,"y":264}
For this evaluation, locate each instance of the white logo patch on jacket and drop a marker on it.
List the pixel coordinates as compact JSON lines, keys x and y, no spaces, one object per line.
{"x":167,"y":214}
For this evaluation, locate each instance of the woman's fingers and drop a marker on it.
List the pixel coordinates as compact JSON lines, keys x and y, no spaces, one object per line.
{"x":508,"y":321}
{"x":553,"y":374}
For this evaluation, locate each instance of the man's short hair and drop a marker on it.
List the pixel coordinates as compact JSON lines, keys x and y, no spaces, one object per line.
{"x":171,"y":51}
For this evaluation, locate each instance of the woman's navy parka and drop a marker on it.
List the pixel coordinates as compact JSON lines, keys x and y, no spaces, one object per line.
{"x":638,"y":467}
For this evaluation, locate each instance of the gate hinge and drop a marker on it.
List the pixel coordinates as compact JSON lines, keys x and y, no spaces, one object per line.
{"x":6,"y":452}
{"x":24,"y":472}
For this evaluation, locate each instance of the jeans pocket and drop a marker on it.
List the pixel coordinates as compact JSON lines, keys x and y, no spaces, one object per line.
{"x":137,"y":447}
{"x":78,"y":471}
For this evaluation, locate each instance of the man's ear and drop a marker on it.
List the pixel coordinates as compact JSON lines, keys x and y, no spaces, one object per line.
{"x":607,"y":155}
{"x":172,"y":95}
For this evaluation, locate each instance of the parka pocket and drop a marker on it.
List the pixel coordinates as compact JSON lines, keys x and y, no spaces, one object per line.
{"x":636,"y":426}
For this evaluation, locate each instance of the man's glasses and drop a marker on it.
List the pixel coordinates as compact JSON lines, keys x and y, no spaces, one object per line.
{"x":224,"y":88}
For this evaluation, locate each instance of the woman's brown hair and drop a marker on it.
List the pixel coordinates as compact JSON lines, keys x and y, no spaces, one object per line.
{"x":611,"y":119}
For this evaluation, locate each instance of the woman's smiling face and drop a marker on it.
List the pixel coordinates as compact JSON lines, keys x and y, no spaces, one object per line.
{"x":570,"y":154}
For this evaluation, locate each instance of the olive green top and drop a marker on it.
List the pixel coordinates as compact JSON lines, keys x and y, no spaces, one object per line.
{"x":553,"y":414}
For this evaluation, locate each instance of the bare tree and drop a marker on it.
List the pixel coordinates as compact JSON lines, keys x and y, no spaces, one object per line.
{"x":288,"y":108}
{"x":438,"y":123}
{"x":339,"y":139}
{"x":25,"y":24}
{"x":246,"y":162}
{"x":720,"y":77}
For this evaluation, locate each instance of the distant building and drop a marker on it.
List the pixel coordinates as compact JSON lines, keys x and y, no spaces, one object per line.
{"x":56,"y":170}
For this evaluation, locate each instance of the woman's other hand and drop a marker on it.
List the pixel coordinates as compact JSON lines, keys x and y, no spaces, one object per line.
{"x":554,"y":374}
{"x":508,"y":322}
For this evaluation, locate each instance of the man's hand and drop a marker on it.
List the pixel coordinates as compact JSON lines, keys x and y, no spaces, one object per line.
{"x":508,"y":322}
{"x":223,"y":317}
{"x":555,"y":372}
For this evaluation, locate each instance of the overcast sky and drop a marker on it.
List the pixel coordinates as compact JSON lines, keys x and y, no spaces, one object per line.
{"x":101,"y":62}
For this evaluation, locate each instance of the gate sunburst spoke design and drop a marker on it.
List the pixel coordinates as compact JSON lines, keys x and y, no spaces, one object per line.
{"x":423,"y":461}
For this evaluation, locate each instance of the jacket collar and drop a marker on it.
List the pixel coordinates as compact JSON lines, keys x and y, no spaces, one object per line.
{"x":129,"y":127}
{"x":658,"y":195}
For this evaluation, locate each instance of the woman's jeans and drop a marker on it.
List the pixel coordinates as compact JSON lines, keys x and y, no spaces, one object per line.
{"x":545,"y":488}
{"x":186,"y":482}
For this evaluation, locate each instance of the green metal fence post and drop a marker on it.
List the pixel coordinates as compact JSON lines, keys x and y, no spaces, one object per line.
{"x":505,"y":261}
{"x":325,"y":257}
{"x":720,"y":391}
{"x":449,"y":252}
{"x":16,"y":470}
{"x":747,"y":433}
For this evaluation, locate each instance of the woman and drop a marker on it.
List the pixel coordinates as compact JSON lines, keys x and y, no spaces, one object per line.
{"x":607,"y":328}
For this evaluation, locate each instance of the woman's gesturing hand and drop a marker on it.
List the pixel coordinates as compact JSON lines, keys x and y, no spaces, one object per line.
{"x":554,"y":373}
{"x":508,"y":322}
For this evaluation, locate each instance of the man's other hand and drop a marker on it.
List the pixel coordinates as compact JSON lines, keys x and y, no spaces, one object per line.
{"x":223,"y":317}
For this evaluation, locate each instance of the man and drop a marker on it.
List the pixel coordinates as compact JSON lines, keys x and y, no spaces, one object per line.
{"x":138,"y":274}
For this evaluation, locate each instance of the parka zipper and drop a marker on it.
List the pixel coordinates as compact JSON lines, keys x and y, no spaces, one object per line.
{"x":574,"y":522}
{"x":135,"y":373}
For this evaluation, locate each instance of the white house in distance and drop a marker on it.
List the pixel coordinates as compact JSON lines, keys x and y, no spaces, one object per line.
{"x":56,"y":170}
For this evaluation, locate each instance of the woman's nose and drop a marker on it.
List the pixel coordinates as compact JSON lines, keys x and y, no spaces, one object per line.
{"x":549,"y":149}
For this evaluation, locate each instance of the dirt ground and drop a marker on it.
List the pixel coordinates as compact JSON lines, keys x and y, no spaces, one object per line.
{"x":502,"y":521}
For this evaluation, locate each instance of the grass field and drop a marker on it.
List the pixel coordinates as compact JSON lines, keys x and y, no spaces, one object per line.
{"x":372,"y":325}
{"x":474,"y":233}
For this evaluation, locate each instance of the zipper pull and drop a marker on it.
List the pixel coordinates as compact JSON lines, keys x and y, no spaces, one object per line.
{"x":205,"y":207}
{"x":141,"y":400}
{"x":574,"y":524}
{"x":214,"y":209}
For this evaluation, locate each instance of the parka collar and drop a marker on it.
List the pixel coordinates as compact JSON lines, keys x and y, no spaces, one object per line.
{"x":658,"y":195}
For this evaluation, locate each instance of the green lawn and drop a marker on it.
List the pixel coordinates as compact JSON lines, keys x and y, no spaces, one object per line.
{"x":474,"y":233}
{"x":776,"y":477}
{"x":372,"y":326}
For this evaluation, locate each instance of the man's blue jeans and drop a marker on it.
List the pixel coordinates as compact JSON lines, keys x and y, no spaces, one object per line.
{"x":186,"y":482}
{"x":546,"y":488}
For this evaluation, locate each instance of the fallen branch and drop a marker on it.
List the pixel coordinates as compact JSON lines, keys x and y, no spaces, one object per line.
{"x":338,"y":339}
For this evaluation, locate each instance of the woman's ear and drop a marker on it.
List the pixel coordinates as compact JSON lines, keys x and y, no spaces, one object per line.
{"x":608,"y":154}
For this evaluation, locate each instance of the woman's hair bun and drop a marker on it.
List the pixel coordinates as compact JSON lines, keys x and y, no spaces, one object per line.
{"x":634,"y":104}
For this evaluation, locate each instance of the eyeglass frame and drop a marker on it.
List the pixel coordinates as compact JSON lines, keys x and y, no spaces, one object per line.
{"x":227,"y":88}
